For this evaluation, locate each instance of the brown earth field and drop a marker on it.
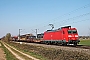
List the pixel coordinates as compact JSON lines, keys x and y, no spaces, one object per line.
{"x":51,"y":53}
{"x":2,"y":55}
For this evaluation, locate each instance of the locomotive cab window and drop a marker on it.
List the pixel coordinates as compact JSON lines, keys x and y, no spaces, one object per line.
{"x":72,"y":31}
{"x":69,"y":31}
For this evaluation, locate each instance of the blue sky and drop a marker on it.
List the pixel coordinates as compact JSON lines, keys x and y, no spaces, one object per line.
{"x":29,"y":15}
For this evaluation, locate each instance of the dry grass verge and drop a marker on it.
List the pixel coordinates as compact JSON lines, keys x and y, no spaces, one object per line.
{"x":51,"y":54}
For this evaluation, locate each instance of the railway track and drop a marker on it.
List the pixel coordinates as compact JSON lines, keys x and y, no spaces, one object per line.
{"x":83,"y":46}
{"x":78,"y":46}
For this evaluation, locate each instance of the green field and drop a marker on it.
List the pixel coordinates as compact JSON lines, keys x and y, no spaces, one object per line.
{"x":85,"y":42}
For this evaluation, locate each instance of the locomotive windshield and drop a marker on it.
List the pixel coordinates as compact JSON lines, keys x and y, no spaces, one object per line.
{"x":72,"y":31}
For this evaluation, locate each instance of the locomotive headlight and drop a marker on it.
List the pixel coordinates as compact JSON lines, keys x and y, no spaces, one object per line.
{"x":76,"y":35}
{"x":69,"y":36}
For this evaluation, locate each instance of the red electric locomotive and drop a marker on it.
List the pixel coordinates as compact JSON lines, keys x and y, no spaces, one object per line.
{"x":64,"y":35}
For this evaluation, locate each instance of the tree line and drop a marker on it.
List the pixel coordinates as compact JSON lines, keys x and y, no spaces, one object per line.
{"x":7,"y":37}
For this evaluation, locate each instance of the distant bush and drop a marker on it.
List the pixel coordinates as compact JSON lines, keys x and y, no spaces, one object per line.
{"x":7,"y":37}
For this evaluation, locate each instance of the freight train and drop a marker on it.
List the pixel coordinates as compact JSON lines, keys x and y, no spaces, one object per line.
{"x":62,"y":36}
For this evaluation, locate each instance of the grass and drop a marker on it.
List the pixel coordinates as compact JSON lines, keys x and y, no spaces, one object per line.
{"x":35,"y":55}
{"x":21,"y":55}
{"x":24,"y":50}
{"x":27,"y":51}
{"x":50,"y":54}
{"x":9,"y":55}
{"x":85,"y":42}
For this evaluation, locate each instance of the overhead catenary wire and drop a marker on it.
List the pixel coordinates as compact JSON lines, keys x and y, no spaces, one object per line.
{"x":71,"y":12}
{"x":73,"y":18}
{"x":83,"y":7}
{"x":79,"y":21}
